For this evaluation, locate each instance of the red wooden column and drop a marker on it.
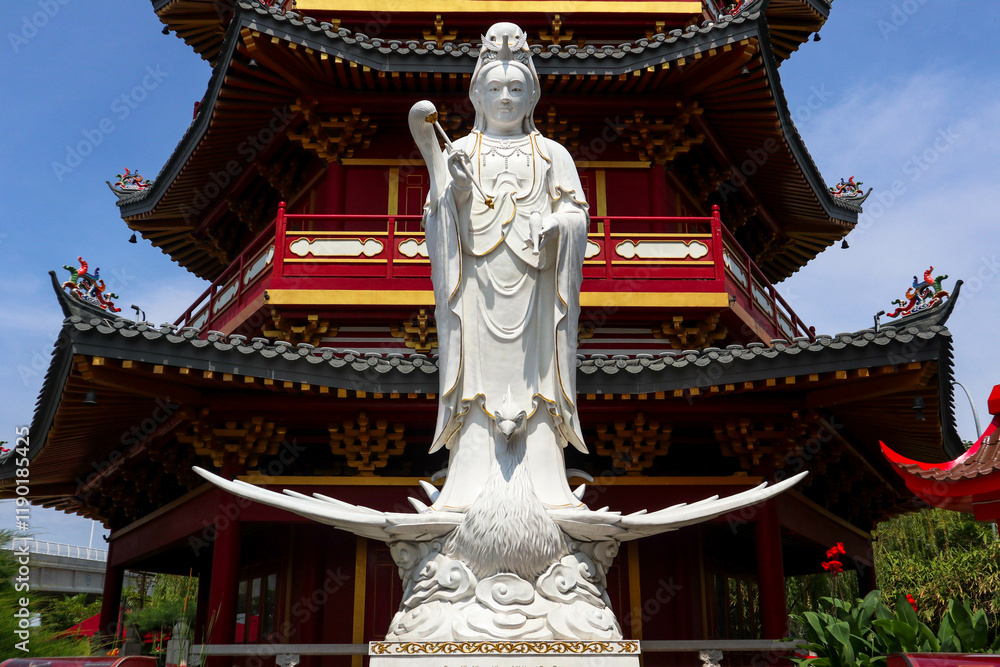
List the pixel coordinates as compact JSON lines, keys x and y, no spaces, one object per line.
{"x":865,"y":564}
{"x":770,"y":573}
{"x":225,"y":579}
{"x":114,"y":577}
{"x":867,"y":581}
{"x":201,"y":610}
{"x":658,"y":191}
{"x":337,"y":177}
{"x":309,"y":564}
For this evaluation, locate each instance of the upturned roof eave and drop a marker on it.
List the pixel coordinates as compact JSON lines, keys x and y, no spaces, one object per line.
{"x":165,"y":345}
{"x":146,"y":201}
{"x":70,"y":305}
{"x":834,"y":208}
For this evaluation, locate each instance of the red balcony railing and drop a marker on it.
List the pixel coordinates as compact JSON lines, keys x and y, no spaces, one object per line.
{"x":242,"y":283}
{"x":348,"y":255}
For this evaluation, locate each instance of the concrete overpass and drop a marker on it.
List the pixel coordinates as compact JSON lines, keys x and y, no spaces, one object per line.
{"x":63,"y":568}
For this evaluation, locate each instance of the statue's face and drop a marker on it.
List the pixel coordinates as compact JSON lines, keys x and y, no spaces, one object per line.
{"x":505,"y":94}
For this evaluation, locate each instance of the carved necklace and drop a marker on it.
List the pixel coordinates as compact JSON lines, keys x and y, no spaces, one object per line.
{"x":507,"y":149}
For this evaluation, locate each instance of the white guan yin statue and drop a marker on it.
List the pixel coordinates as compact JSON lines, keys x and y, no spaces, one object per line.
{"x":505,"y":550}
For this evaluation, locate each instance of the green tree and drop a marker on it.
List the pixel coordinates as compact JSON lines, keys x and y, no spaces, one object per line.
{"x":42,"y":641}
{"x":938,"y":555}
{"x":172,"y":597}
{"x":58,"y":614}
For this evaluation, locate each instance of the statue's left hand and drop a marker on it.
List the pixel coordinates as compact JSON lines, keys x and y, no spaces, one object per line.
{"x":550,"y":228}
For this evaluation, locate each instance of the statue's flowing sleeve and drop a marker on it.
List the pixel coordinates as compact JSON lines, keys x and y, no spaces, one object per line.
{"x":441,"y":227}
{"x":571,"y":209}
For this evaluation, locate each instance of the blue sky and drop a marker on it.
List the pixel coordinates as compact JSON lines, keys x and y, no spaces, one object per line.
{"x":896,"y":91}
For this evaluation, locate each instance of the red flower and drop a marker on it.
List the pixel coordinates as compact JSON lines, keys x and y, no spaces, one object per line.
{"x":834,"y":567}
{"x":913,"y":603}
{"x":836,"y":550}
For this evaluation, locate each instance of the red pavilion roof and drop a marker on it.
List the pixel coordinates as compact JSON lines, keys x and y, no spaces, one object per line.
{"x":969,"y":483}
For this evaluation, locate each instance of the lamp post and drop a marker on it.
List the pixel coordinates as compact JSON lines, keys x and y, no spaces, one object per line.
{"x":975,"y":415}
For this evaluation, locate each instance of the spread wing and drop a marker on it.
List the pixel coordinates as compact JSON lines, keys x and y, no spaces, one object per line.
{"x":588,"y":525}
{"x":426,"y":524}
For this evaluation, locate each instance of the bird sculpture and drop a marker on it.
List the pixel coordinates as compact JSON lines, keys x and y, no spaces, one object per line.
{"x":506,"y":529}
{"x":494,"y":514}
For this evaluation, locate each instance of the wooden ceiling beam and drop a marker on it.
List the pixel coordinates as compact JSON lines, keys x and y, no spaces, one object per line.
{"x":864,"y":389}
{"x":137,"y":384}
{"x":712,"y":142}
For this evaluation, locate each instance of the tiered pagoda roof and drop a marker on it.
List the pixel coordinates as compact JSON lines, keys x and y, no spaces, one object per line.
{"x":202,"y":23}
{"x":741,"y":130}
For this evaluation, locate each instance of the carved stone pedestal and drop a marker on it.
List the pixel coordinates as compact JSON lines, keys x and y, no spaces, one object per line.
{"x":505,"y":654}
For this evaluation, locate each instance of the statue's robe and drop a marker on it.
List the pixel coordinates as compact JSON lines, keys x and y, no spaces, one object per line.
{"x":507,"y":318}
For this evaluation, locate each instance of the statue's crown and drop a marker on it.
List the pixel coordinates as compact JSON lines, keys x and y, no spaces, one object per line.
{"x":504,"y":42}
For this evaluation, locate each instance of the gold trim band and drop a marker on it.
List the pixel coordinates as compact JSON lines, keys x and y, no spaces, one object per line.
{"x":505,"y":6}
{"x":644,"y":236}
{"x":654,"y":299}
{"x":339,"y":260}
{"x":292,"y":480}
{"x":661,"y":262}
{"x":308,"y":297}
{"x":407,"y":162}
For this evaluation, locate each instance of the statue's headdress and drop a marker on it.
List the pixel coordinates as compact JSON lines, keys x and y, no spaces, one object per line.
{"x":506,"y":43}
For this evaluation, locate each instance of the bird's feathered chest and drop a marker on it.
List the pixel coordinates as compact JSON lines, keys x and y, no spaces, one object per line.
{"x":507,"y":529}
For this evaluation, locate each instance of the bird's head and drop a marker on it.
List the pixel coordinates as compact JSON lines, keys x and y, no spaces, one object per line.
{"x":507,"y":420}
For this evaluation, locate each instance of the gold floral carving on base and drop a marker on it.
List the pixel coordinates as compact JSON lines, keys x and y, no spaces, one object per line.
{"x":505,"y":648}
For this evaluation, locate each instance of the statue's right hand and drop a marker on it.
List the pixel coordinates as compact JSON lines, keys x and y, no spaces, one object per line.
{"x":459,"y":170}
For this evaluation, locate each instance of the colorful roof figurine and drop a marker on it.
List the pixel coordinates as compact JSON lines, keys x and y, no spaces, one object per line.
{"x":850,"y":192}
{"x":926,"y":299}
{"x":129,"y":183}
{"x":89,"y":288}
{"x":969,"y":483}
{"x":735,"y":8}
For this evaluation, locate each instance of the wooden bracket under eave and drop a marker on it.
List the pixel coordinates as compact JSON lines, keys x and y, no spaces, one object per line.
{"x":311,"y":330}
{"x":692,"y":333}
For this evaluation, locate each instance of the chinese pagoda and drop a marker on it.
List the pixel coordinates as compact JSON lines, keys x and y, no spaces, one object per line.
{"x":309,"y":363}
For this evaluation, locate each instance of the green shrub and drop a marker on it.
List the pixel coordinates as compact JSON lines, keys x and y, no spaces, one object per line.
{"x":863,"y":632}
